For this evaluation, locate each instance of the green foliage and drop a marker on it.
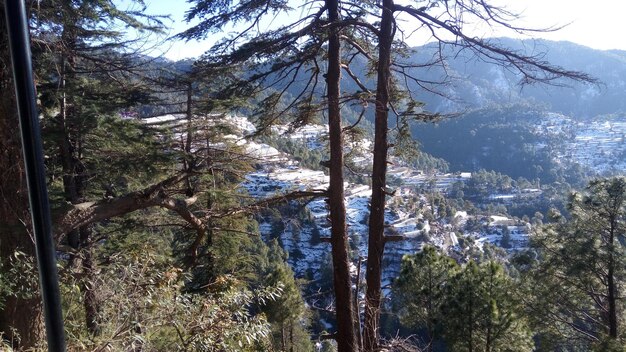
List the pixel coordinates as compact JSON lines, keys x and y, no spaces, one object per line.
{"x":149,"y":294}
{"x":610,"y":345}
{"x":484,"y":183}
{"x":473,"y":308}
{"x":419,"y":291}
{"x":482,"y":312}
{"x":580,"y":260}
{"x":287,"y":313}
{"x":145,"y":303}
{"x":505,"y":241}
{"x":18,"y":277}
{"x":306,"y":156}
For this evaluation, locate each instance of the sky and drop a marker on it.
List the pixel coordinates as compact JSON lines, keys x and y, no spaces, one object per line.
{"x":599,"y":24}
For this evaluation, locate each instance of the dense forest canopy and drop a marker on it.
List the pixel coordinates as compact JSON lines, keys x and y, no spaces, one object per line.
{"x":317,"y":184}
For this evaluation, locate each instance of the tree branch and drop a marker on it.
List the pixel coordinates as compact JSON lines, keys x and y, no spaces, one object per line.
{"x":532,"y":68}
{"x":91,"y":212}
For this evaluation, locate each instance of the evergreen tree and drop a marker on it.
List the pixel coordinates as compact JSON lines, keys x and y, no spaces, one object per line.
{"x":505,"y":241}
{"x":286,"y":313}
{"x":71,"y":37}
{"x":420,"y":290}
{"x":581,"y":270}
{"x":276,"y":58}
{"x":389,"y":98}
{"x":474,"y":308}
{"x":376,"y":238}
{"x":79,"y":101}
{"x":104,"y":167}
{"x":146,"y":303}
{"x":481,"y":312}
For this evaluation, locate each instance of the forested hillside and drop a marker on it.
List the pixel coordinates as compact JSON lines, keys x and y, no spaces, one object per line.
{"x":316,"y":184}
{"x":473,"y":83}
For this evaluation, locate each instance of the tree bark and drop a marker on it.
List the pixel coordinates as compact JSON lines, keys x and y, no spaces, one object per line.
{"x":283,"y":343}
{"x":430,"y":309}
{"x":612,"y":297}
{"x":470,"y":319}
{"x":376,"y":243}
{"x":91,"y":303}
{"x":21,"y":319}
{"x":74,"y":183}
{"x":346,"y":338}
{"x":291,"y":349}
{"x":79,"y":215}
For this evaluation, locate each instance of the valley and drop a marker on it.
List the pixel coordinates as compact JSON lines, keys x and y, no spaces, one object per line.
{"x":491,"y":172}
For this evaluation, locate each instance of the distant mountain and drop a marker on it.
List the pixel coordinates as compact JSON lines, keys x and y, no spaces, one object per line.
{"x":496,"y":129}
{"x":478,"y":84}
{"x":474,"y":83}
{"x":510,"y":140}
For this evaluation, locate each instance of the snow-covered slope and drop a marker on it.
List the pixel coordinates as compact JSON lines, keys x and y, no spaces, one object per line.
{"x":304,"y":238}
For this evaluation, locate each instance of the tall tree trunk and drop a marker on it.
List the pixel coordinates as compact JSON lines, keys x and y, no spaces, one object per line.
{"x":74,"y":183}
{"x":88,"y":287}
{"x":376,"y":243}
{"x":470,"y":319}
{"x":357,"y":318}
{"x":430,"y":310}
{"x":346,"y":338}
{"x":283,"y":343}
{"x":612,"y":304}
{"x":291,"y":349}
{"x":21,"y":317}
{"x":612,"y":297}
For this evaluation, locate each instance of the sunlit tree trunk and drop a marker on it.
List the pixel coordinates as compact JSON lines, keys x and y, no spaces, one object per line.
{"x":376,"y":243}
{"x":612,"y":296}
{"x":346,"y":338}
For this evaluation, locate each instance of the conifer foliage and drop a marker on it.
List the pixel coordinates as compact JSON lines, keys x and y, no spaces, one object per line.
{"x":469,"y":308}
{"x":156,"y":244}
{"x":583,"y":266}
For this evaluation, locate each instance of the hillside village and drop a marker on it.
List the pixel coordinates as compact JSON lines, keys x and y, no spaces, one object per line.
{"x":598,"y":144}
{"x":278,"y":173}
{"x":417,"y":214}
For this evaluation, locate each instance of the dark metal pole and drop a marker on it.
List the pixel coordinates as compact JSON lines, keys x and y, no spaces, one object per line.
{"x":19,"y":43}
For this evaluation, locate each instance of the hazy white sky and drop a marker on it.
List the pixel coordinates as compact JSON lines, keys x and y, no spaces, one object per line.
{"x":600,"y":24}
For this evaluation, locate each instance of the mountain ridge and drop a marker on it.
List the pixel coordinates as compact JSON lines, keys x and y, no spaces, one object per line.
{"x":480,"y":84}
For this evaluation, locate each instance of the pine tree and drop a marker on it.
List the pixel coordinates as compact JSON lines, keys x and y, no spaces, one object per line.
{"x":396,"y":99}
{"x":286,"y":313}
{"x":481,"y":312}
{"x":420,"y":290}
{"x":376,"y":239}
{"x":580,"y":273}
{"x":101,"y":166}
{"x":288,"y":51}
{"x":79,"y":101}
{"x":505,"y":241}
{"x":148,"y":306}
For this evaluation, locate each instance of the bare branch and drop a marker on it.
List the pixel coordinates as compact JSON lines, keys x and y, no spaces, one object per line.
{"x":533,"y":68}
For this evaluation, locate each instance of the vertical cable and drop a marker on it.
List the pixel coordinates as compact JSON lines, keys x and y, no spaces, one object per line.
{"x":35,"y":172}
